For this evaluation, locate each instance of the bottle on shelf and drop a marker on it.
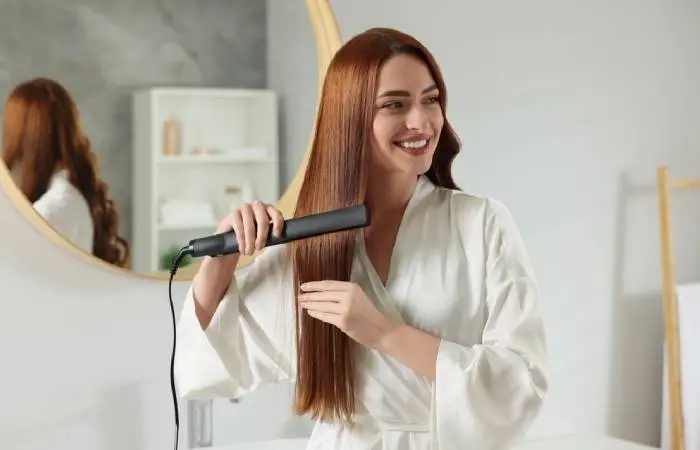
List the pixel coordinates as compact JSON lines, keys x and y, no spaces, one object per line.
{"x":171,"y":137}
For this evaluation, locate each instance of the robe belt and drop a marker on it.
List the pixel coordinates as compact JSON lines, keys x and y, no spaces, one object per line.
{"x":397,"y":426}
{"x":417,"y":425}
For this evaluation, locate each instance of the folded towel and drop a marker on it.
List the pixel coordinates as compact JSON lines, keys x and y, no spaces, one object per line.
{"x":186,"y":212}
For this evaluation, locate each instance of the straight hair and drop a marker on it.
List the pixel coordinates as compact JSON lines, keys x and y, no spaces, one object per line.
{"x":336,"y":177}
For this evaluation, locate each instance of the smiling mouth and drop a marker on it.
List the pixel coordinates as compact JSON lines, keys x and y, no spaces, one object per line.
{"x":414,"y":147}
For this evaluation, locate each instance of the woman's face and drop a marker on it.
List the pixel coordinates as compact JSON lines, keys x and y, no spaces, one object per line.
{"x":408,"y":118}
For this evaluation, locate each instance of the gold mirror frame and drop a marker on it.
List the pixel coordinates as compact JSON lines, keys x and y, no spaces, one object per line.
{"x":328,"y":41}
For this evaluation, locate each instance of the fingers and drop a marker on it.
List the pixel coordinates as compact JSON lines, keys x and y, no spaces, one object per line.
{"x":326,"y":285}
{"x":330,"y":302}
{"x":237,"y":224}
{"x":322,"y":296}
{"x":277,"y":220}
{"x":335,"y":308}
{"x":246,"y":244}
{"x":251,"y":224}
{"x":262,"y":221}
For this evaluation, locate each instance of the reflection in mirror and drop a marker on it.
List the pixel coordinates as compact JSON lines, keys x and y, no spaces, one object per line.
{"x":52,"y":163}
{"x":131,"y":137}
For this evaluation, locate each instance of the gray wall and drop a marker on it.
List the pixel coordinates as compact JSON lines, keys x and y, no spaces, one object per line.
{"x":102,"y":49}
{"x":293,"y":74}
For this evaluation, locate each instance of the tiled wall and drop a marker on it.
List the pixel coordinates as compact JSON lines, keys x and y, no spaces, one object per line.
{"x":102,"y":49}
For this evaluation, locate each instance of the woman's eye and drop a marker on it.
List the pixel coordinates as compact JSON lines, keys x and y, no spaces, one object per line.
{"x":392,"y":105}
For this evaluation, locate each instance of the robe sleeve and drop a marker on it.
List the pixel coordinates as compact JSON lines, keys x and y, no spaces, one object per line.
{"x":249,"y":341}
{"x":56,"y":210}
{"x":487,"y":396}
{"x":52,"y":210}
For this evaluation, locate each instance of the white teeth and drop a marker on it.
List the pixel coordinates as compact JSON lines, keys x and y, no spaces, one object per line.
{"x":413,"y":144}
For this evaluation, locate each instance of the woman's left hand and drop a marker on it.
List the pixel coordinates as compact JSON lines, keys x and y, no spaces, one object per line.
{"x":345,"y":305}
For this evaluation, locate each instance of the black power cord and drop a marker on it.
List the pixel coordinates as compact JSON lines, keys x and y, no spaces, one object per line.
{"x":175,"y":265}
{"x":224,"y":243}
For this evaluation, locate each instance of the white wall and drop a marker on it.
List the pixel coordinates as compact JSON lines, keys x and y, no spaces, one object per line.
{"x":85,"y":354}
{"x":565,"y":109}
{"x":85,"y":357}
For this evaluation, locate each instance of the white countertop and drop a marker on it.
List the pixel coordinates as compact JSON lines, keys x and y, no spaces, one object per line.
{"x":582,"y":442}
{"x":577,"y":442}
{"x":281,"y":444}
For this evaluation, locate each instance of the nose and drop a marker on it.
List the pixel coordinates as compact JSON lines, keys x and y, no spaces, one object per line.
{"x":417,"y":118}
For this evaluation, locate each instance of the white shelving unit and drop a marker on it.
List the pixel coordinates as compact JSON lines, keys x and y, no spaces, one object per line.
{"x":225,"y":138}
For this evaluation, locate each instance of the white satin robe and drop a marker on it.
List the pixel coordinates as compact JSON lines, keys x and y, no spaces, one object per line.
{"x":65,"y":209}
{"x":460,"y":271}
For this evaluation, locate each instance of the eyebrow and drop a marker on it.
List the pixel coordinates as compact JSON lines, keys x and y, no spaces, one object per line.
{"x":406,"y":93}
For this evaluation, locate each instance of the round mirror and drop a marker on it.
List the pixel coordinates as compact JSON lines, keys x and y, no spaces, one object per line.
{"x":143,"y":134}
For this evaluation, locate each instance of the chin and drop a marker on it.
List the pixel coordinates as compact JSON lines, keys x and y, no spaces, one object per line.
{"x":423,"y":165}
{"x":422,"y":171}
{"x":408,"y":163}
{"x":412,"y":170}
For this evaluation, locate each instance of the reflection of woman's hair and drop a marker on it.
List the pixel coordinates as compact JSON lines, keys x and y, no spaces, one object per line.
{"x":42,"y":134}
{"x":336,"y":177}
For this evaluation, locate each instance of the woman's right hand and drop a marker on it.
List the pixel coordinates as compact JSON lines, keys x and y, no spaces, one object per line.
{"x":251,"y":224}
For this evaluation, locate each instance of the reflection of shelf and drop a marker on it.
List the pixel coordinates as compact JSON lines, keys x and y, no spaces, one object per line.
{"x":187,"y":226}
{"x":222,"y":139}
{"x":214,"y":159}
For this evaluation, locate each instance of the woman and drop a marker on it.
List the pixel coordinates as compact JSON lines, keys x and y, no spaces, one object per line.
{"x":53,"y":165}
{"x":421,"y":331}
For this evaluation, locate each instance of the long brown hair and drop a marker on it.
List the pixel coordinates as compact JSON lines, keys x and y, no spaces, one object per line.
{"x":42,"y":134}
{"x":336,"y":177}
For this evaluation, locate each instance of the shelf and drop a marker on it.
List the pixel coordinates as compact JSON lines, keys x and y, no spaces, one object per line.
{"x":194,"y":145}
{"x":215,"y":159}
{"x":186,"y":226}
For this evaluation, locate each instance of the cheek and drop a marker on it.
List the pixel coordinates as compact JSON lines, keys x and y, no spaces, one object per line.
{"x":438,"y":121}
{"x":383,"y":131}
